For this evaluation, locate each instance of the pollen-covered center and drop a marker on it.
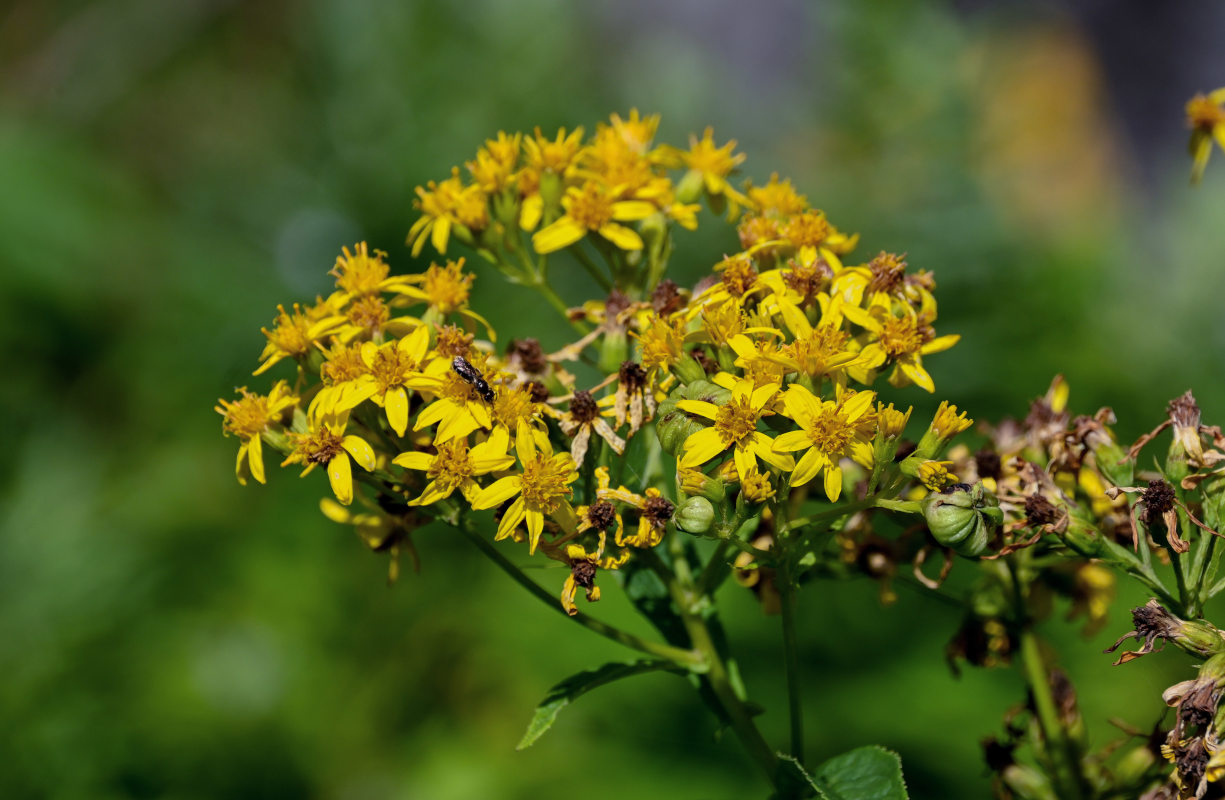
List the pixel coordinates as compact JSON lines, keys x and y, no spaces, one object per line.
{"x":456,"y":389}
{"x":291,"y":333}
{"x":447,"y":287}
{"x":544,"y":482}
{"x":807,"y":229}
{"x":369,"y":313}
{"x":830,"y":432}
{"x":704,"y":156}
{"x":359,"y":272}
{"x":739,"y":277}
{"x":736,"y":420}
{"x":1203,"y":114}
{"x":817,"y":349}
{"x":319,"y":447}
{"x":900,"y":335}
{"x":513,"y":406}
{"x":343,"y":364}
{"x":589,"y":207}
{"x":453,"y":465}
{"x":248,"y":416}
{"x":887,"y":271}
{"x":390,"y":367}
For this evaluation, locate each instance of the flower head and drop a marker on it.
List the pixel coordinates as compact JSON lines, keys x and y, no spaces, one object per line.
{"x":248,"y":417}
{"x":829,"y":431}
{"x":542,"y":488}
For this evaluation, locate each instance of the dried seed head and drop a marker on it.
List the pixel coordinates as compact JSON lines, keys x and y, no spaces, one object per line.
{"x":666,"y":298}
{"x":601,"y":515}
{"x":537,"y":391}
{"x":632,"y":376}
{"x":1158,"y":498}
{"x":658,"y":510}
{"x":527,"y":355}
{"x":1039,"y":511}
{"x":988,"y":464}
{"x":584,"y":573}
{"x":583,"y":407}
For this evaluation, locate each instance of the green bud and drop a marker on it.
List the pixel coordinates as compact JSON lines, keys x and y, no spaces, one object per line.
{"x":675,"y":426}
{"x":506,"y":209}
{"x":690,"y":187}
{"x":695,"y":515}
{"x":689,"y":370}
{"x":1084,"y":539}
{"x":963,"y":518}
{"x":551,"y":189}
{"x":1114,"y":465}
{"x":1028,"y":782}
{"x":614,"y":350}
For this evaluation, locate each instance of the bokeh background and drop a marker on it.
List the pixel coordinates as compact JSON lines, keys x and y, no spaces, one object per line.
{"x":169,"y":172}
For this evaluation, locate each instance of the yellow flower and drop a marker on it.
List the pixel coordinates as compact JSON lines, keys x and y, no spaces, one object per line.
{"x":1206,"y":118}
{"x":393,"y":368}
{"x":778,"y":196}
{"x":935,"y":475}
{"x":455,"y":465}
{"x":636,"y":132}
{"x":248,"y":417}
{"x":326,"y":443}
{"x":829,"y":431}
{"x":295,"y":333}
{"x":458,"y":409}
{"x":654,"y":512}
{"x":819,"y":350}
{"x":591,"y":208}
{"x":542,"y":489}
{"x":339,"y":373}
{"x":883,"y":278}
{"x":902,"y":339}
{"x":495,"y":163}
{"x":662,"y":343}
{"x":543,"y":157}
{"x":443,"y":206}
{"x":446,"y":289}
{"x":712,"y":165}
{"x":360,"y":273}
{"x":735,"y":426}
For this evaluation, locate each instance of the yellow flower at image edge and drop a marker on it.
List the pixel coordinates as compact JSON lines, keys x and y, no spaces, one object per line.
{"x":593,"y":209}
{"x":248,"y":417}
{"x":327,"y":444}
{"x":1206,"y":118}
{"x":455,"y":465}
{"x":828,"y":432}
{"x":735,"y":426}
{"x":543,"y":487}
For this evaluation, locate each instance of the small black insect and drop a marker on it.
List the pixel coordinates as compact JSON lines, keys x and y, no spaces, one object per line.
{"x":472,"y":376}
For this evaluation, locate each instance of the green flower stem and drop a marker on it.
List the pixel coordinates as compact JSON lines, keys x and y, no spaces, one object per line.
{"x":1057,"y":745}
{"x":716,"y":569}
{"x":686,"y":659}
{"x":590,"y":266}
{"x":1180,"y":578}
{"x":559,"y":305}
{"x":786,"y":590}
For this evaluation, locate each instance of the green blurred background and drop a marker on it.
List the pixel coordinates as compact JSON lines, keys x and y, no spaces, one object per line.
{"x":169,"y":172}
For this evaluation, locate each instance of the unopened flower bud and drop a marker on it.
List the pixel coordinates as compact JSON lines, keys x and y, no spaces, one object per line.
{"x":695,"y":515}
{"x":963,"y":518}
{"x":690,"y":187}
{"x":675,"y":426}
{"x":947,"y":423}
{"x":551,"y":189}
{"x":890,"y":425}
{"x":1084,"y":539}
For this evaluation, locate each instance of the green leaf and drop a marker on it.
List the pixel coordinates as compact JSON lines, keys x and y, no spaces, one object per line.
{"x":578,"y":684}
{"x":866,"y":773}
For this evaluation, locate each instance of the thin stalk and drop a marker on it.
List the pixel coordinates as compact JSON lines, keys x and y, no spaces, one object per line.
{"x":1057,"y":745}
{"x":590,"y":266}
{"x":682,"y":658}
{"x":706,"y":583}
{"x":786,"y":590}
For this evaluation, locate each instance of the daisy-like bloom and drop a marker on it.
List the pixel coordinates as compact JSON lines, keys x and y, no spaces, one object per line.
{"x":816,"y":350}
{"x":544,"y":156}
{"x":592,"y":208}
{"x":494,"y":167}
{"x":581,"y":420}
{"x":455,"y":465}
{"x":339,"y":373}
{"x":811,"y":234}
{"x":542,"y":489}
{"x":583,"y":568}
{"x":1206,"y":118}
{"x":393,"y":369}
{"x":902,"y":339}
{"x":883,"y":278}
{"x":662,"y":343}
{"x":444,"y":206}
{"x":636,"y":132}
{"x":779,"y":197}
{"x":458,"y":408}
{"x":735,"y":426}
{"x":248,"y":417}
{"x":829,"y":431}
{"x":712,"y":164}
{"x":361,"y":273}
{"x":446,"y":289}
{"x":800,"y":282}
{"x":519,"y":413}
{"x":326,"y":443}
{"x":294,"y":334}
